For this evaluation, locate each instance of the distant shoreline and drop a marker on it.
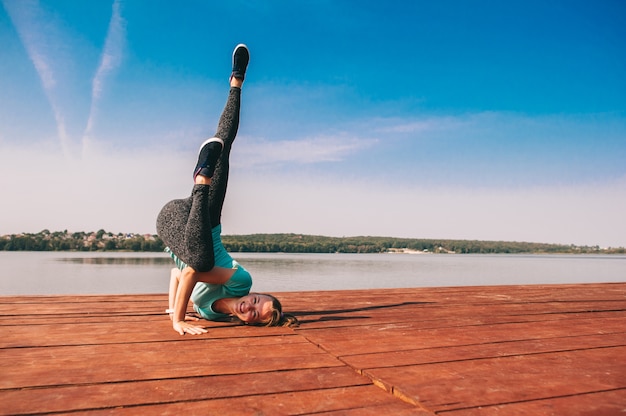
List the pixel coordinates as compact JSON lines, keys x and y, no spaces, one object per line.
{"x":287,"y":243}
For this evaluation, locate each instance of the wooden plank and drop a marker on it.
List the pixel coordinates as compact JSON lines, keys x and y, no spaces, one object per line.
{"x":72,"y":299}
{"x":408,"y":336}
{"x":114,"y":331}
{"x":313,"y":301}
{"x":486,"y":304}
{"x":428,"y":320}
{"x":482,"y":351}
{"x":392,"y":409}
{"x":453,"y":318}
{"x":609,"y":403}
{"x":14,"y":320}
{"x":297,"y":403}
{"x":489,"y":382}
{"x":80,"y":307}
{"x":510,"y":296}
{"x":173,"y":390}
{"x":56,"y":366}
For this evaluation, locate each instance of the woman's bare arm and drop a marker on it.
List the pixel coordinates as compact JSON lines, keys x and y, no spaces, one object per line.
{"x":182,"y":285}
{"x":174,"y":276}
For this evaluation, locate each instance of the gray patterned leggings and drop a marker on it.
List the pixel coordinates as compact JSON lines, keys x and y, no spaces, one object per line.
{"x":185,"y":225}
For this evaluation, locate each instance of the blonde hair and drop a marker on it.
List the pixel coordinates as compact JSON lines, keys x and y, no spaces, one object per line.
{"x":278,"y":318}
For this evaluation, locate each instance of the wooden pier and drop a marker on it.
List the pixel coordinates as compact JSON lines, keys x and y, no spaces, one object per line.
{"x":500,"y":350}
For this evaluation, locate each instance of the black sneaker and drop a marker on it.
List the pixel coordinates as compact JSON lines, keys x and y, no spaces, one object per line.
{"x":241,"y":57}
{"x":209,"y":153}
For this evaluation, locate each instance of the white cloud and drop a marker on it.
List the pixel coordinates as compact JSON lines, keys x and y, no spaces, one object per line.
{"x":421,"y":125}
{"x":304,"y":151}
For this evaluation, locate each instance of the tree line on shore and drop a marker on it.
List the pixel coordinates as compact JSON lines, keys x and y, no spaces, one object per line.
{"x":102,"y":240}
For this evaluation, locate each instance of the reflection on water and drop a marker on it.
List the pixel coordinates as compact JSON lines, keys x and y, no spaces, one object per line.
{"x":49,"y":273}
{"x":139,"y":261}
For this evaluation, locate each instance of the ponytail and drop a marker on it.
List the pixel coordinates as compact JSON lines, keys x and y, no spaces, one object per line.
{"x":279,"y":318}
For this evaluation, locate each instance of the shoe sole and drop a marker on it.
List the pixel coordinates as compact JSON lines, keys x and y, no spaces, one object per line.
{"x":207,"y":141}
{"x":241,"y":45}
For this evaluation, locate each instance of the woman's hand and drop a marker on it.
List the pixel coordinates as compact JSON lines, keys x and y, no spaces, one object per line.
{"x":183,"y":328}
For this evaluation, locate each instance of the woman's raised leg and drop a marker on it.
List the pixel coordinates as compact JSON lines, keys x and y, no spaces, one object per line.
{"x":227,"y":128}
{"x":185,"y":225}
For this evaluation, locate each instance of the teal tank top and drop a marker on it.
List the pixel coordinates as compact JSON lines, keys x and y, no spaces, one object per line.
{"x":205,"y":294}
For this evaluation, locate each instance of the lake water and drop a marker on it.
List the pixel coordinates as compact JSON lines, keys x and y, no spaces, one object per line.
{"x":52,"y":273}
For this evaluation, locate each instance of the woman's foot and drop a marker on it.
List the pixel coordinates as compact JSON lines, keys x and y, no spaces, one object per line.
{"x":209,"y":153}
{"x":241,"y":57}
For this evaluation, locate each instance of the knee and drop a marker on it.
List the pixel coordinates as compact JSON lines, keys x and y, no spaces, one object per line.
{"x":202,"y":262}
{"x":191,"y":274}
{"x":188,"y":274}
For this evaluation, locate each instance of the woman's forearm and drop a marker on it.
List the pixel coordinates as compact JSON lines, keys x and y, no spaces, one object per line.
{"x":174,"y":276}
{"x":179,"y":296}
{"x":185,"y":283}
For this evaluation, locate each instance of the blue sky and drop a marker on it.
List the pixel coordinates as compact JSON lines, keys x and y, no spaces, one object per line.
{"x":481,"y":120}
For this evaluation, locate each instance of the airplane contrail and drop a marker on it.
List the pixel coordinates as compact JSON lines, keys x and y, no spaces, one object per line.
{"x":110,"y":59}
{"x":40,"y":39}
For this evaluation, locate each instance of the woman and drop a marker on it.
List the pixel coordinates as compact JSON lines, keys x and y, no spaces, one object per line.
{"x":191,"y":228}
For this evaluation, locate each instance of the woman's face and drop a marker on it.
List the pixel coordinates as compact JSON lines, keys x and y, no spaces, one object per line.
{"x":254,"y":308}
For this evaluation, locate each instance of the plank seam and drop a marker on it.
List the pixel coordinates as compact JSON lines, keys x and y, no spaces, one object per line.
{"x":391,"y":390}
{"x":495,"y":357}
{"x":140,"y":405}
{"x":147,"y":380}
{"x":539,"y":399}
